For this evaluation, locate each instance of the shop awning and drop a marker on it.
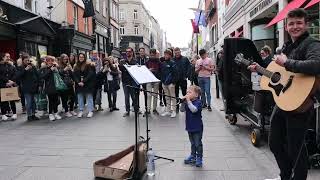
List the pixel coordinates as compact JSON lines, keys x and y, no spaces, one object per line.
{"x":36,"y":25}
{"x":283,"y":13}
{"x":311,"y":3}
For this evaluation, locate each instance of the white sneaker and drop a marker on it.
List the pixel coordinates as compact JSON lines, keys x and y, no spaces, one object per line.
{"x":14,"y":117}
{"x":90,"y":114}
{"x":57,"y":116}
{"x":51,"y":117}
{"x":4,"y":118}
{"x":80,"y":114}
{"x":68,"y":114}
{"x":173,"y":114}
{"x":165,"y":113}
{"x":73,"y":113}
{"x":277,"y":178}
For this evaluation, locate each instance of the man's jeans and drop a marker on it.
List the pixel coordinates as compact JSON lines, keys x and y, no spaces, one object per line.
{"x":30,"y":104}
{"x":196,"y":143}
{"x":128,"y":92}
{"x":153,"y":87}
{"x":89,"y":100}
{"x":205,"y":83}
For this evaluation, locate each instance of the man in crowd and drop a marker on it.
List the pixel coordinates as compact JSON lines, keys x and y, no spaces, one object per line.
{"x":127,"y":80}
{"x":184,"y":68}
{"x":205,"y":67}
{"x":153,"y":64}
{"x":98,"y":89}
{"x":288,"y":129}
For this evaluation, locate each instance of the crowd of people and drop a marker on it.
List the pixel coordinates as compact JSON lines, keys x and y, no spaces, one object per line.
{"x":75,"y":81}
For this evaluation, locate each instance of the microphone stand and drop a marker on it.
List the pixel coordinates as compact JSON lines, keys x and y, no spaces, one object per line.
{"x":147,"y":118}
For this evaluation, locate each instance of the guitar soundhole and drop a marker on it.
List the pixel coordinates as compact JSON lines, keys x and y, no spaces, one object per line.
{"x":275,"y":77}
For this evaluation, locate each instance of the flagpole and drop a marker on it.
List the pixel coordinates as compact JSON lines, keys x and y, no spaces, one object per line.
{"x":198,"y":33}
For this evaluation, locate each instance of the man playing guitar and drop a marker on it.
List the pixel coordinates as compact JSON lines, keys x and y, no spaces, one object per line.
{"x":287,"y":133}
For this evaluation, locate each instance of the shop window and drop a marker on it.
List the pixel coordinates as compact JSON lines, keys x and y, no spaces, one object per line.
{"x":314,"y":21}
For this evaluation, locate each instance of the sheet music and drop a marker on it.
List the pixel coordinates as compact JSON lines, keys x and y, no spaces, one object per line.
{"x":141,"y":74}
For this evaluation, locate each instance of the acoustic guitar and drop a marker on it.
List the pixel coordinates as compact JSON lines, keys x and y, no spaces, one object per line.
{"x":291,"y":91}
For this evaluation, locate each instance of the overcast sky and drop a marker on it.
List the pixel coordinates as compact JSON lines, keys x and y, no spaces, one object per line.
{"x":174,"y":18}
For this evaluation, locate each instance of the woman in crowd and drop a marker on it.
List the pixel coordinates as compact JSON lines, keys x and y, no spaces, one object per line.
{"x":84,"y":77}
{"x":73,"y":59}
{"x":29,"y":78}
{"x":7,"y":80}
{"x":67,"y":96}
{"x":110,"y":74}
{"x":169,"y":78}
{"x":47,"y":74}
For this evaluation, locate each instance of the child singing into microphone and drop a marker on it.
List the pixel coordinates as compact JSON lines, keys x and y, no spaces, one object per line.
{"x":192,"y":105}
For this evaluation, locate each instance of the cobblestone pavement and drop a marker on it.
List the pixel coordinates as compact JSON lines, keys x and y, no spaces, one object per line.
{"x":66,"y":149}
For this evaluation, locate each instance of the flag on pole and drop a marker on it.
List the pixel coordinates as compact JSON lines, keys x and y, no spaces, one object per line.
{"x":88,"y":8}
{"x":194,"y":27}
{"x":200,"y":18}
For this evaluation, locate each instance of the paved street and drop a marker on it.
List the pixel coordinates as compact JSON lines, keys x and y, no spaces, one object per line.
{"x":66,"y":149}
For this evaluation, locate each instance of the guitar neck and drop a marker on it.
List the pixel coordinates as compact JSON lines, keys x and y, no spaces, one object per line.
{"x":264,"y":71}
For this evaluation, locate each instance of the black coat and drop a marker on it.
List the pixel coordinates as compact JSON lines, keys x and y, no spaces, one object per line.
{"x":7,"y":72}
{"x":29,"y":79}
{"x":111,"y":86}
{"x":87,"y":76}
{"x":303,"y":55}
{"x":126,"y":78}
{"x":183,"y":67}
{"x":46,"y":74}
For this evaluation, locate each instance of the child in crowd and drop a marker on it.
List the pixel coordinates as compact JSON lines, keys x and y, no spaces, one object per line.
{"x":192,"y":105}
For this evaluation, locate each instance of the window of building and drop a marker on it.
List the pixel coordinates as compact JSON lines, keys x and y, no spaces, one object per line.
{"x":86,"y":26}
{"x":135,"y":14}
{"x":97,"y":5}
{"x":121,"y":29}
{"x":75,"y":17}
{"x":121,"y":13}
{"x":104,"y":12}
{"x":28,"y":4}
{"x":136,"y":29}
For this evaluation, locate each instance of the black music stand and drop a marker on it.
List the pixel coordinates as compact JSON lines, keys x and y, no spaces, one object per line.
{"x":141,"y":75}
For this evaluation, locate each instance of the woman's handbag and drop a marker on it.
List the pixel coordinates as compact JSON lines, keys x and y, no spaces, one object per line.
{"x":58,"y":82}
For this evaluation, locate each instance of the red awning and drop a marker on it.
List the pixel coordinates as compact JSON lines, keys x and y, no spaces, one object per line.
{"x":311,"y":3}
{"x":283,"y":13}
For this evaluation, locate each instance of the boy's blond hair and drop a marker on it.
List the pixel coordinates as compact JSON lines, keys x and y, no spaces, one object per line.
{"x":196,"y":89}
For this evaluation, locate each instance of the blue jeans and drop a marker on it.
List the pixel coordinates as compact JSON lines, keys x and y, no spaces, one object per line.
{"x":128,"y":92}
{"x":205,"y":83}
{"x":89,"y":100}
{"x":196,"y":143}
{"x":30,"y":104}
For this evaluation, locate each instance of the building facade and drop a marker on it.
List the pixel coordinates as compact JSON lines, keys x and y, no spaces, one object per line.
{"x":137,"y":27}
{"x":114,"y":28}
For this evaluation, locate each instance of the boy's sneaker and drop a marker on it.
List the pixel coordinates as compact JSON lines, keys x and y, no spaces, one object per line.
{"x":4,"y":118}
{"x":190,"y":160}
{"x":51,"y":117}
{"x":173,"y":114}
{"x":57,"y":116}
{"x":209,"y":108}
{"x":166,"y":113}
{"x":80,"y":114}
{"x":14,"y":117}
{"x":68,"y":114}
{"x":199,"y":162}
{"x":90,"y":114}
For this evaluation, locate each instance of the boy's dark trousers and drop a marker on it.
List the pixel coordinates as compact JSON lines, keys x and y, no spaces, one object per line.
{"x":196,"y":143}
{"x":287,"y":134}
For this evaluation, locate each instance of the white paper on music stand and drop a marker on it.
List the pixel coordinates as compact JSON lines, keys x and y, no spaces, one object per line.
{"x":141,"y":74}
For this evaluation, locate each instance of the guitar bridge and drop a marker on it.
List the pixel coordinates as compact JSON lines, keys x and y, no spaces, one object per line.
{"x":288,"y":84}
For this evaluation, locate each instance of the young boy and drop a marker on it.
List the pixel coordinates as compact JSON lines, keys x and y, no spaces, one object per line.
{"x":193,"y":107}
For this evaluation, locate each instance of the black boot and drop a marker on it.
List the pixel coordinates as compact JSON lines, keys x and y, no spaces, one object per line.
{"x":34,"y":118}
